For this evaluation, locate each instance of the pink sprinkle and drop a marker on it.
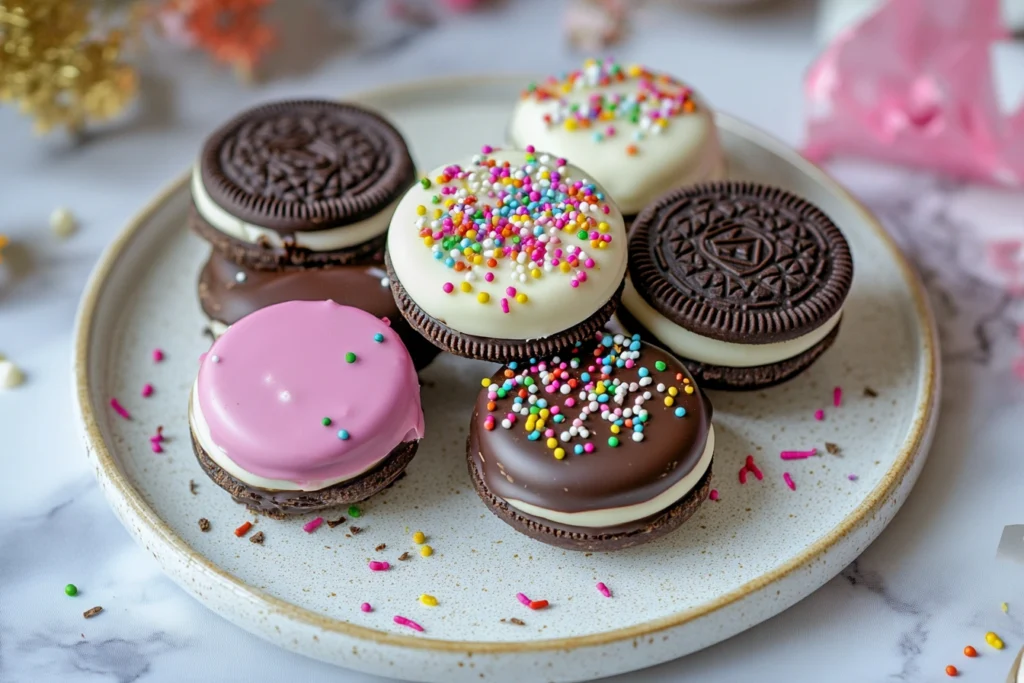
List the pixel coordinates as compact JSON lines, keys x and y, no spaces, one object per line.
{"x":448,"y":287}
{"x":852,"y":477}
{"x":819,"y":414}
{"x":377,"y":566}
{"x":798,"y":455}
{"x":523,"y":599}
{"x":603,"y":589}
{"x":588,"y":447}
{"x":489,"y":276}
{"x":158,"y":355}
{"x":119,"y":409}
{"x":386,"y":320}
{"x":837,"y":396}
{"x":789,"y":481}
{"x":156,"y":447}
{"x":486,"y":149}
{"x":402,"y":621}
{"x":366,"y":607}
{"x":147,"y":391}
{"x":714,"y":493}
{"x":312,"y":525}
{"x":511,"y":291}
{"x":753,"y":468}
{"x":743,"y":475}
{"x":504,"y":304}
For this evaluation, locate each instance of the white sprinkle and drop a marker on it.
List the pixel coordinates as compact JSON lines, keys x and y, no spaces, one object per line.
{"x":239,"y":277}
{"x":214,"y":359}
{"x":62,"y":222}
{"x":506,"y":423}
{"x":661,"y":388}
{"x":285,"y":396}
{"x":10,"y":375}
{"x":385,"y":282}
{"x":565,"y":436}
{"x":645,"y":381}
{"x":638,"y":436}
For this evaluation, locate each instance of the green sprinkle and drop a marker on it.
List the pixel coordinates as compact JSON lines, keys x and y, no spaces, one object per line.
{"x":351,"y":357}
{"x":660,"y":365}
{"x":435,"y":199}
{"x":353,"y":511}
{"x":613,"y":441}
{"x":425,"y":183}
{"x":528,"y":381}
{"x":326,"y":422}
{"x":582,"y":234}
{"x":71,"y":590}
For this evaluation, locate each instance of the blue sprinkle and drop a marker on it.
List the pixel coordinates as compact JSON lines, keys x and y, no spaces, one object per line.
{"x":533,"y":436}
{"x":513,"y":365}
{"x":343,"y":435}
{"x":378,"y":337}
{"x":619,"y":422}
{"x":578,"y":449}
{"x":438,"y":255}
{"x":680,"y":411}
{"x":606,"y":340}
{"x":450,"y":262}
{"x":620,"y":363}
{"x":644,"y":372}
{"x":603,"y":398}
{"x":585,"y":376}
{"x":636,"y":337}
{"x":638,"y":428}
{"x":542,"y":403}
{"x":606,"y":369}
{"x":635,"y":346}
{"x":559,"y":418}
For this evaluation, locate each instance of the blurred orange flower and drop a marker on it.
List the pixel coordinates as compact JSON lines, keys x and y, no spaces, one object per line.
{"x":231,"y":31}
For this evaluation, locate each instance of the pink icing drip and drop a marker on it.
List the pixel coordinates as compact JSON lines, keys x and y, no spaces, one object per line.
{"x":282,"y":370}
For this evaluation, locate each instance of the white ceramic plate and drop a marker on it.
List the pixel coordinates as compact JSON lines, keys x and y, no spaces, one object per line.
{"x":734,"y":564}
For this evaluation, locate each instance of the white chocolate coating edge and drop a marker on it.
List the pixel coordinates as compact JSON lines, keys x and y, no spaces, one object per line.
{"x":595,"y":519}
{"x":687,"y":151}
{"x":202,"y":432}
{"x":553,"y":305}
{"x":703,"y":349}
{"x":320,"y":240}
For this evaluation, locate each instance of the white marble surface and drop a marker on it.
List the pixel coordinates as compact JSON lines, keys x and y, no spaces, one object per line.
{"x":903,"y":611}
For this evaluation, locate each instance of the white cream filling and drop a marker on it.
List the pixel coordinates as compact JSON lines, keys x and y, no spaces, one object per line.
{"x":697,"y":347}
{"x":217,"y":328}
{"x":202,"y":432}
{"x":628,"y":513}
{"x":320,"y":240}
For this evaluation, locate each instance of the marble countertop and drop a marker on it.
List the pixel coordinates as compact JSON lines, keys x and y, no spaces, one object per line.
{"x":926,"y":588}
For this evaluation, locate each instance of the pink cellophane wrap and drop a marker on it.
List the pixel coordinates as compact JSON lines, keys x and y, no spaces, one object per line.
{"x":913,"y":84}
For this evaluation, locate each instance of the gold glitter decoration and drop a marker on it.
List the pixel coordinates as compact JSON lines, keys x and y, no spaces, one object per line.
{"x":60,"y":65}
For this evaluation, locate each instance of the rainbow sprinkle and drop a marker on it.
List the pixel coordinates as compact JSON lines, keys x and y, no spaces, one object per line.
{"x":789,"y":481}
{"x":603,"y":589}
{"x":650,"y":106}
{"x":403,"y":621}
{"x":523,"y":222}
{"x":553,"y":399}
{"x":120,"y":409}
{"x":312,"y":525}
{"x":378,"y":566}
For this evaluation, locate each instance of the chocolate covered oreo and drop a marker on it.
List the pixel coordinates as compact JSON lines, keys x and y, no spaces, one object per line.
{"x":744,"y":282}
{"x":300,"y":183}
{"x":607,"y":446}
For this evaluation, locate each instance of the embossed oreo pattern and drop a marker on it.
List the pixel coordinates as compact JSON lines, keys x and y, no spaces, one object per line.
{"x":306,"y":165}
{"x":740,"y":262}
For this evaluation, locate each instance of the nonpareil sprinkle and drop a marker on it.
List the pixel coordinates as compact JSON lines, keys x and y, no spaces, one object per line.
{"x":426,"y":551}
{"x":353,"y":511}
{"x":419,"y":538}
{"x":71,"y":590}
{"x":350,"y":357}
{"x":366,"y":607}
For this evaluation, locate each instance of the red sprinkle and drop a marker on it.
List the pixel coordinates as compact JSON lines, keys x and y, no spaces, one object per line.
{"x":714,"y":492}
{"x":538,"y":604}
{"x":743,"y":475}
{"x":754,"y":468}
{"x":312,"y":525}
{"x":819,"y":414}
{"x":403,"y":621}
{"x":603,"y":589}
{"x":378,"y":566}
{"x":789,"y":481}
{"x":837,"y":396}
{"x":158,"y":355}
{"x":243,"y":530}
{"x":147,"y":391}
{"x":119,"y":409}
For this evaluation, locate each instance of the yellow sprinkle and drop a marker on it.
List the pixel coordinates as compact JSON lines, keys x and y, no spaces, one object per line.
{"x":688,"y":388}
{"x":634,"y":70}
{"x":540,"y":424}
{"x":471,"y":234}
{"x":669,"y":400}
{"x":426,"y":551}
{"x":485,"y":382}
{"x":428,"y":241}
{"x":563,"y":266}
{"x":1004,"y":607}
{"x":599,"y":389}
{"x":559,"y":453}
{"x":544,"y":413}
{"x":602,"y":245}
{"x":439,"y":179}
{"x":603,"y":227}
{"x":438,"y":213}
{"x":662,"y":122}
{"x":570,"y":124}
{"x":421,"y":210}
{"x":552,"y":442}
{"x":522,"y":298}
{"x":994,"y":640}
{"x":535,"y":272}
{"x":449,"y":203}
{"x":545,"y":175}
{"x":418,"y":538}
{"x":483,"y":297}
{"x":672,"y":391}
{"x":428,"y":600}
{"x":466,"y":287}
{"x":477,"y":259}
{"x":589,"y":61}
{"x":686,"y":380}
{"x":615,"y":429}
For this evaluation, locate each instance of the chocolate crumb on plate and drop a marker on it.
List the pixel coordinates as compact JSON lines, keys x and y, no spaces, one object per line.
{"x":382,"y":546}
{"x":354,"y":529}
{"x":90,"y":613}
{"x":258,"y":538}
{"x":204,"y":524}
{"x":192,"y":486}
{"x":335,"y":522}
{"x":403,"y":557}
{"x":870,"y":393}
{"x":832,"y":448}
{"x":514,"y":620}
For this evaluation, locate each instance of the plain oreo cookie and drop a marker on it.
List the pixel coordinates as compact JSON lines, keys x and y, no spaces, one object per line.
{"x":744,"y":282}
{"x":300,"y":183}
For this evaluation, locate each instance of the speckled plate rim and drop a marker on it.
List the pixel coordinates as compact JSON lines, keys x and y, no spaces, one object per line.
{"x":120,"y":487}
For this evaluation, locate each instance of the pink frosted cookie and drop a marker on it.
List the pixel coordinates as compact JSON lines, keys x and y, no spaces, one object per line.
{"x":305,"y":405}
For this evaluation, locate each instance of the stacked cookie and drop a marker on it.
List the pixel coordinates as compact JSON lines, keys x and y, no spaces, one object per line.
{"x":295,"y":198}
{"x":585,"y":437}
